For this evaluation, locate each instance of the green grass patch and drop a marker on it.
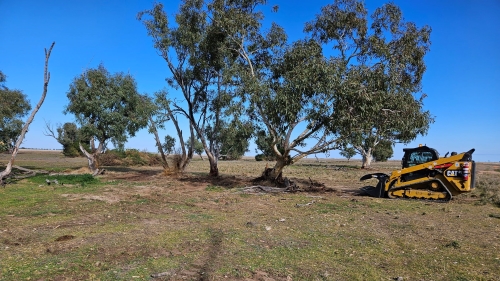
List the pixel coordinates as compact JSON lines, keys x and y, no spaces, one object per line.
{"x":83,"y":180}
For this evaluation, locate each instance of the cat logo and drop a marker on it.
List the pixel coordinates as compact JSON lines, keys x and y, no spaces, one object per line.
{"x":453,"y":173}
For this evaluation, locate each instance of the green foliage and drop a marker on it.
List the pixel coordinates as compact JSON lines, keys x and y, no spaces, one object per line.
{"x":260,"y":157}
{"x":69,"y":136}
{"x":264,"y":144}
{"x":169,"y":144}
{"x":107,"y":106}
{"x":232,"y":139}
{"x":201,"y":59}
{"x":382,"y":65}
{"x":348,"y":152}
{"x":383,"y":151}
{"x":197,"y":146}
{"x":14,"y":105}
{"x":290,"y":87}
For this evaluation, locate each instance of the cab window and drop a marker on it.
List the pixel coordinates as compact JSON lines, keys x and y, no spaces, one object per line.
{"x":419,"y":157}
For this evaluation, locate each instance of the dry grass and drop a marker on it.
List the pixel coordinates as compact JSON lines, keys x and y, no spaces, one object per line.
{"x":137,"y":222}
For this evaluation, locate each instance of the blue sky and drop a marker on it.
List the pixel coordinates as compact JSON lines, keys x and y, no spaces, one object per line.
{"x":462,"y":80}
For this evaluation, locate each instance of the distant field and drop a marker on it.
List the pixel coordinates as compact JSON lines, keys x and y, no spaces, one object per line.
{"x":138,"y":223}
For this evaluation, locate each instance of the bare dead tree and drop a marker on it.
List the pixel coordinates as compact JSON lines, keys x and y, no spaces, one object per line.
{"x":49,"y":131}
{"x":46,"y":78}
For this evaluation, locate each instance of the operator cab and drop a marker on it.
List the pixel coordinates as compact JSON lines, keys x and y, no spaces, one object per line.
{"x":419,"y":155}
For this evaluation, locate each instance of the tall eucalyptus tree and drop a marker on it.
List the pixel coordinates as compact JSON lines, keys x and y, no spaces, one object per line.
{"x":382,"y":61}
{"x":291,"y":88}
{"x":193,"y":48}
{"x":107,"y":107}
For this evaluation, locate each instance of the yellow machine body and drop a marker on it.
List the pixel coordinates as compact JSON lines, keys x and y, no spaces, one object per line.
{"x":426,"y":176}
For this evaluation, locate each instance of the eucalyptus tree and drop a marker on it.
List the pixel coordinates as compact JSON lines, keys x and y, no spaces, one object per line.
{"x":298,"y":107}
{"x":382,"y":61}
{"x":193,"y":48}
{"x":348,"y":152}
{"x":291,"y":88}
{"x":106,"y":106}
{"x":232,"y":140}
{"x":383,"y":151}
{"x":69,"y":136}
{"x":197,"y":146}
{"x":169,"y":144}
{"x":24,"y":130}
{"x":14,"y":106}
{"x":162,"y":113}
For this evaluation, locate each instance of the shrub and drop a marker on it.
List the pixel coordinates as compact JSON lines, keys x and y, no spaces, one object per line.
{"x":260,"y":157}
{"x":489,"y":189}
{"x":129,"y":157}
{"x":110,"y":158}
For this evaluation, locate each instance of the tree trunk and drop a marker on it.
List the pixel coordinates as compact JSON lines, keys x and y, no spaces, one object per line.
{"x":185,"y":157}
{"x":92,"y":159}
{"x":46,"y":78}
{"x":214,"y":169}
{"x":367,"y":159}
{"x":277,"y":171}
{"x":158,"y":144}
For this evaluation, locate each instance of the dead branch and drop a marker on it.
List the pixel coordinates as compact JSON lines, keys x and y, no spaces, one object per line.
{"x":46,"y":79}
{"x":30,"y":171}
{"x":49,"y":131}
{"x":263,"y":189}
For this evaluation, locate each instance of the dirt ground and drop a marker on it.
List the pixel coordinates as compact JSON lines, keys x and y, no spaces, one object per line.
{"x":140,"y":223}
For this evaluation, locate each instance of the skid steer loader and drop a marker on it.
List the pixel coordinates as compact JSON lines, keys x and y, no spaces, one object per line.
{"x":424,"y":175}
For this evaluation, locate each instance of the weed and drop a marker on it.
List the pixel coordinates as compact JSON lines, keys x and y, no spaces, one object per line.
{"x":453,"y":244}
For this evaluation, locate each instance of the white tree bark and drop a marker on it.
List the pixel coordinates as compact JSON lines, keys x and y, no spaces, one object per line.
{"x":367,"y":161}
{"x":46,"y":78}
{"x":92,"y":159}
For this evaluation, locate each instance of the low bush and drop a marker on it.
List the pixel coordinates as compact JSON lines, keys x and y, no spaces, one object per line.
{"x":489,"y":189}
{"x":129,"y":157}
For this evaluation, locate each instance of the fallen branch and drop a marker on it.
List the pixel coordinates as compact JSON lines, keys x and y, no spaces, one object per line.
{"x":161,"y":274}
{"x":261,"y":188}
{"x":303,"y":205}
{"x":30,"y":171}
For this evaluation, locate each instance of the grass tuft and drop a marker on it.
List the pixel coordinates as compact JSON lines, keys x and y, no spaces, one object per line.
{"x":453,"y":244}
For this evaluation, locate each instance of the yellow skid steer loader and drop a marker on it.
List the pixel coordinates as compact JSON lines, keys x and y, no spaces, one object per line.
{"x":426,"y":176}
